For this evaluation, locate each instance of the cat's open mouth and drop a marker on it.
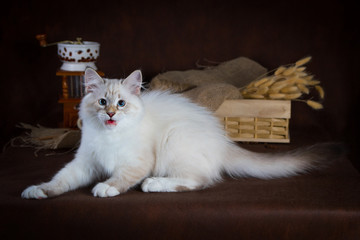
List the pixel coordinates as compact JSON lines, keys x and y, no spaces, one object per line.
{"x":110,"y":122}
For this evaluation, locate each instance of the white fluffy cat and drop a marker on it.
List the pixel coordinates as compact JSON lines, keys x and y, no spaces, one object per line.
{"x":161,"y":140}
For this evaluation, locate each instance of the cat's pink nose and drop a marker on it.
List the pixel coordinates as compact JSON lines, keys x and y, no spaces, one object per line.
{"x":111,"y":114}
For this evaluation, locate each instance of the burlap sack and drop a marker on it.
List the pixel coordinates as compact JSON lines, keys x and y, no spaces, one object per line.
{"x":213,"y":95}
{"x":42,"y":138}
{"x":209,"y":87}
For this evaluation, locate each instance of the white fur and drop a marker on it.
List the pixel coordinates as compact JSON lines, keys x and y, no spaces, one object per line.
{"x":163,"y":138}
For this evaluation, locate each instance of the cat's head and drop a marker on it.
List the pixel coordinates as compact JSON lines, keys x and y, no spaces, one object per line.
{"x":111,"y":103}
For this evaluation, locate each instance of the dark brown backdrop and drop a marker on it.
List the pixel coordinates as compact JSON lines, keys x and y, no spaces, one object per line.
{"x":157,"y":36}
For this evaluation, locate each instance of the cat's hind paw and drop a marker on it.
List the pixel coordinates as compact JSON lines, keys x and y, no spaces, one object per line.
{"x":104,"y":190}
{"x":152,"y":185}
{"x":165,"y":184}
{"x":34,"y":192}
{"x":159,"y":184}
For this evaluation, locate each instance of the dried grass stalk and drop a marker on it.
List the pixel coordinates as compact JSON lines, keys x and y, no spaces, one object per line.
{"x":291,"y":81}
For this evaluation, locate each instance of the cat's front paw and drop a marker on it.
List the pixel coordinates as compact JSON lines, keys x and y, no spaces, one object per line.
{"x":35,"y":192}
{"x":104,"y":190}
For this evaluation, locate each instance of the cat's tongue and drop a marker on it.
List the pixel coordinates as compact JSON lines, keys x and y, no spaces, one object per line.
{"x":110,"y":122}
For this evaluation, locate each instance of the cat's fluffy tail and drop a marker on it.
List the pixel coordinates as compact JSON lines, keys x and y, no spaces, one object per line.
{"x":242,"y":162}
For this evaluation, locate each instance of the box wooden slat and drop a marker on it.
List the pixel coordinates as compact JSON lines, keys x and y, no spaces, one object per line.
{"x":253,"y":120}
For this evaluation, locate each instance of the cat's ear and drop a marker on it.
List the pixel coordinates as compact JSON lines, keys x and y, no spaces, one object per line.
{"x":133,"y":82}
{"x":92,"y":80}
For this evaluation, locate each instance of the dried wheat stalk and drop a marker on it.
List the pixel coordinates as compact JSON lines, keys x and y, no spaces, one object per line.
{"x":288,"y":82}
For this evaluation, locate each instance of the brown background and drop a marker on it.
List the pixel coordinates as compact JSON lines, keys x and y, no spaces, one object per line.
{"x":158,"y":36}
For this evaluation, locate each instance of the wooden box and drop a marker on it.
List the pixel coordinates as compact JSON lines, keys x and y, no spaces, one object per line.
{"x":73,"y":90}
{"x":251,"y":120}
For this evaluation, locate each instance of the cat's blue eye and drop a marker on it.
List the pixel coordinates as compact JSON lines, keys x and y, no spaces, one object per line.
{"x":102,"y":102}
{"x":121,"y":103}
